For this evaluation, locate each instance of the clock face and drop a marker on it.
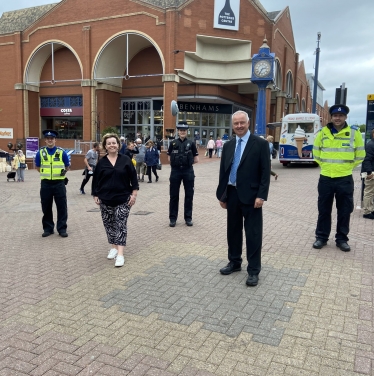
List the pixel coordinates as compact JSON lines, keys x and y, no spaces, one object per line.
{"x":262,"y":68}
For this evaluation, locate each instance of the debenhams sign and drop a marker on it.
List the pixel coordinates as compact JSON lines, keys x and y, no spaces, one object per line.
{"x":205,"y":107}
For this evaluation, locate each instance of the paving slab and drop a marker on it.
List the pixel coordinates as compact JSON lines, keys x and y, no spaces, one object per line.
{"x":66,"y":310}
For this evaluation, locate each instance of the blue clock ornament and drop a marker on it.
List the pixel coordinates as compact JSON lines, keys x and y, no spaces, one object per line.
{"x":262,"y":75}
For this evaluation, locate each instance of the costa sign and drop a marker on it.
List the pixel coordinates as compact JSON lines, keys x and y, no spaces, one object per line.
{"x":58,"y":111}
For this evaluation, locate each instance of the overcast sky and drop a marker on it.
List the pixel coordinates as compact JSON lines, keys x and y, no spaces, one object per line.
{"x":347,"y":47}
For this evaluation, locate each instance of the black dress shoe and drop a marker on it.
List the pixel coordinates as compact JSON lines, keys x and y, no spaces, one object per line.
{"x":252,"y":280}
{"x":172,"y":224}
{"x":318,"y":244}
{"x":369,"y":216}
{"x":230,"y":268}
{"x":189,"y":223}
{"x":46,"y":233}
{"x":63,"y":234}
{"x":343,"y":246}
{"x":157,"y":179}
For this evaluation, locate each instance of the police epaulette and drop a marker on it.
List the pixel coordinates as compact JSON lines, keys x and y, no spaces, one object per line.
{"x":355,"y":127}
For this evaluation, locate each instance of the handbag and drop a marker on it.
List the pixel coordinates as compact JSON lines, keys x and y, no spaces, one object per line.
{"x":22,"y":165}
{"x":158,"y":166}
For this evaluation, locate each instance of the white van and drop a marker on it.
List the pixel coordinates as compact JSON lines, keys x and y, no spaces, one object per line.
{"x":297,"y":137}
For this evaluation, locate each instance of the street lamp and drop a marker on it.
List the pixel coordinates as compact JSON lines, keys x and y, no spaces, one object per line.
{"x":314,"y":103}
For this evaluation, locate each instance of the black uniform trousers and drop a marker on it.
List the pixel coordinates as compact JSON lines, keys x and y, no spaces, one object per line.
{"x":342,"y":189}
{"x":49,"y":190}
{"x":253,"y":227}
{"x":177,"y":175}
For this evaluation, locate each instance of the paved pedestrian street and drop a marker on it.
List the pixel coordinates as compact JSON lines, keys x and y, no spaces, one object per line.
{"x":66,"y":310}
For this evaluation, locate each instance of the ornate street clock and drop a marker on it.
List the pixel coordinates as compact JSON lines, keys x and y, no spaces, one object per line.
{"x":262,"y":75}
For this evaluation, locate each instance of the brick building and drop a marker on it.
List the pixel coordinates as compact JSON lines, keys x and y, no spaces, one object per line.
{"x":81,"y":66}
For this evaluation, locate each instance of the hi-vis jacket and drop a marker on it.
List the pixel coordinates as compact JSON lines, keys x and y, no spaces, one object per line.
{"x":51,"y":166}
{"x":339,"y":153}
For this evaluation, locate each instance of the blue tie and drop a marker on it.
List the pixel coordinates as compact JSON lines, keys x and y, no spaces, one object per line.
{"x":235,"y":163}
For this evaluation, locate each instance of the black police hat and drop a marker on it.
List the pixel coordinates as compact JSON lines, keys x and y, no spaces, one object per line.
{"x":182,"y":125}
{"x":50,"y":133}
{"x":339,"y":109}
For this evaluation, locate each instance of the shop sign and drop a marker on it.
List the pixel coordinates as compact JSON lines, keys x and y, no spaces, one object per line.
{"x":226,"y":14}
{"x":205,"y":107}
{"x":58,"y":111}
{"x":6,"y":132}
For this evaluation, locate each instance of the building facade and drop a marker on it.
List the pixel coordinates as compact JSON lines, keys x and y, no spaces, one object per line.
{"x":79,"y":67}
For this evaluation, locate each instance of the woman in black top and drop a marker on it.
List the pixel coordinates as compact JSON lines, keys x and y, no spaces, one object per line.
{"x":115,"y":187}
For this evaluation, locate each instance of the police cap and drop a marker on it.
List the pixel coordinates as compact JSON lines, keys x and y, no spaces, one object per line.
{"x":50,"y":133}
{"x":182,"y":125}
{"x":339,"y":109}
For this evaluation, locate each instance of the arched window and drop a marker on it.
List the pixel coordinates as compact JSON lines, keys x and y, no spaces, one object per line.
{"x":289,"y":85}
{"x":303,"y":106}
{"x":277,"y":75}
{"x":297,"y":109}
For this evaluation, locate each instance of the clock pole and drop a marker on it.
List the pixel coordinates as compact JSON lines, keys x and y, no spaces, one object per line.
{"x":260,"y":128}
{"x":262,"y":75}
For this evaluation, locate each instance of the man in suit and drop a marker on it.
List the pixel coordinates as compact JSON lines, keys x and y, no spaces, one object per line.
{"x":243,"y":187}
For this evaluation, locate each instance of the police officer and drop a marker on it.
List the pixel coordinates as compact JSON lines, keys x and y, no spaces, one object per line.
{"x":338,"y":148}
{"x":52,"y":162}
{"x":182,"y":154}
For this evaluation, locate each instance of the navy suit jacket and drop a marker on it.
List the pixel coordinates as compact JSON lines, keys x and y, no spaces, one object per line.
{"x":253,"y":175}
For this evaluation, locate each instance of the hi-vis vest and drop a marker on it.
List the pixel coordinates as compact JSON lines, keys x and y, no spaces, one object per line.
{"x":338,"y":153}
{"x":51,"y":166}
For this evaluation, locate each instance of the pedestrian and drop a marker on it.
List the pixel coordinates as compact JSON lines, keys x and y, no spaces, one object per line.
{"x":219,"y":145}
{"x":244,"y":179}
{"x":90,"y":161}
{"x":53,"y":162}
{"x":182,"y":154}
{"x":151,"y":160}
{"x":19,"y":163}
{"x":210,"y":146}
{"x":197,"y":139}
{"x":131,"y":150}
{"x":338,"y":148}
{"x":140,"y":165}
{"x":123,"y":145}
{"x":270,"y":140}
{"x":114,"y":189}
{"x":368,"y":168}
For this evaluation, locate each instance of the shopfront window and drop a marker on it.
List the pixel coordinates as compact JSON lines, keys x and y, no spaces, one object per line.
{"x":71,"y":128}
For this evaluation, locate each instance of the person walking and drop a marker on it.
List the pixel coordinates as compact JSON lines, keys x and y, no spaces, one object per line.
{"x":182,"y":154}
{"x":115,"y":188}
{"x":123,"y":145}
{"x":151,"y":160}
{"x":52,"y":162}
{"x":244,"y":179}
{"x":140,"y":165}
{"x":368,"y":169}
{"x":270,"y":140}
{"x":90,"y":161}
{"x":210,"y":146}
{"x":338,"y":148}
{"x":219,"y":146}
{"x":19,"y":163}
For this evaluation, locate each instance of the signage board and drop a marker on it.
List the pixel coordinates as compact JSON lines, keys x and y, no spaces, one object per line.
{"x":226,"y":14}
{"x":369,"y":117}
{"x":32,"y":146}
{"x":6,"y":132}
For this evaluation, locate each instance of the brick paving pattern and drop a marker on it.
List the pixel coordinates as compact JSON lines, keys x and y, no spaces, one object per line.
{"x":66,"y":310}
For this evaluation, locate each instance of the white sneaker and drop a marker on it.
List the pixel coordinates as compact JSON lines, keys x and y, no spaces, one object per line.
{"x":120,"y":260}
{"x":112,"y":254}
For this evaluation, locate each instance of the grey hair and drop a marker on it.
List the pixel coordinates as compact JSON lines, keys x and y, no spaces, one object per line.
{"x":240,"y":112}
